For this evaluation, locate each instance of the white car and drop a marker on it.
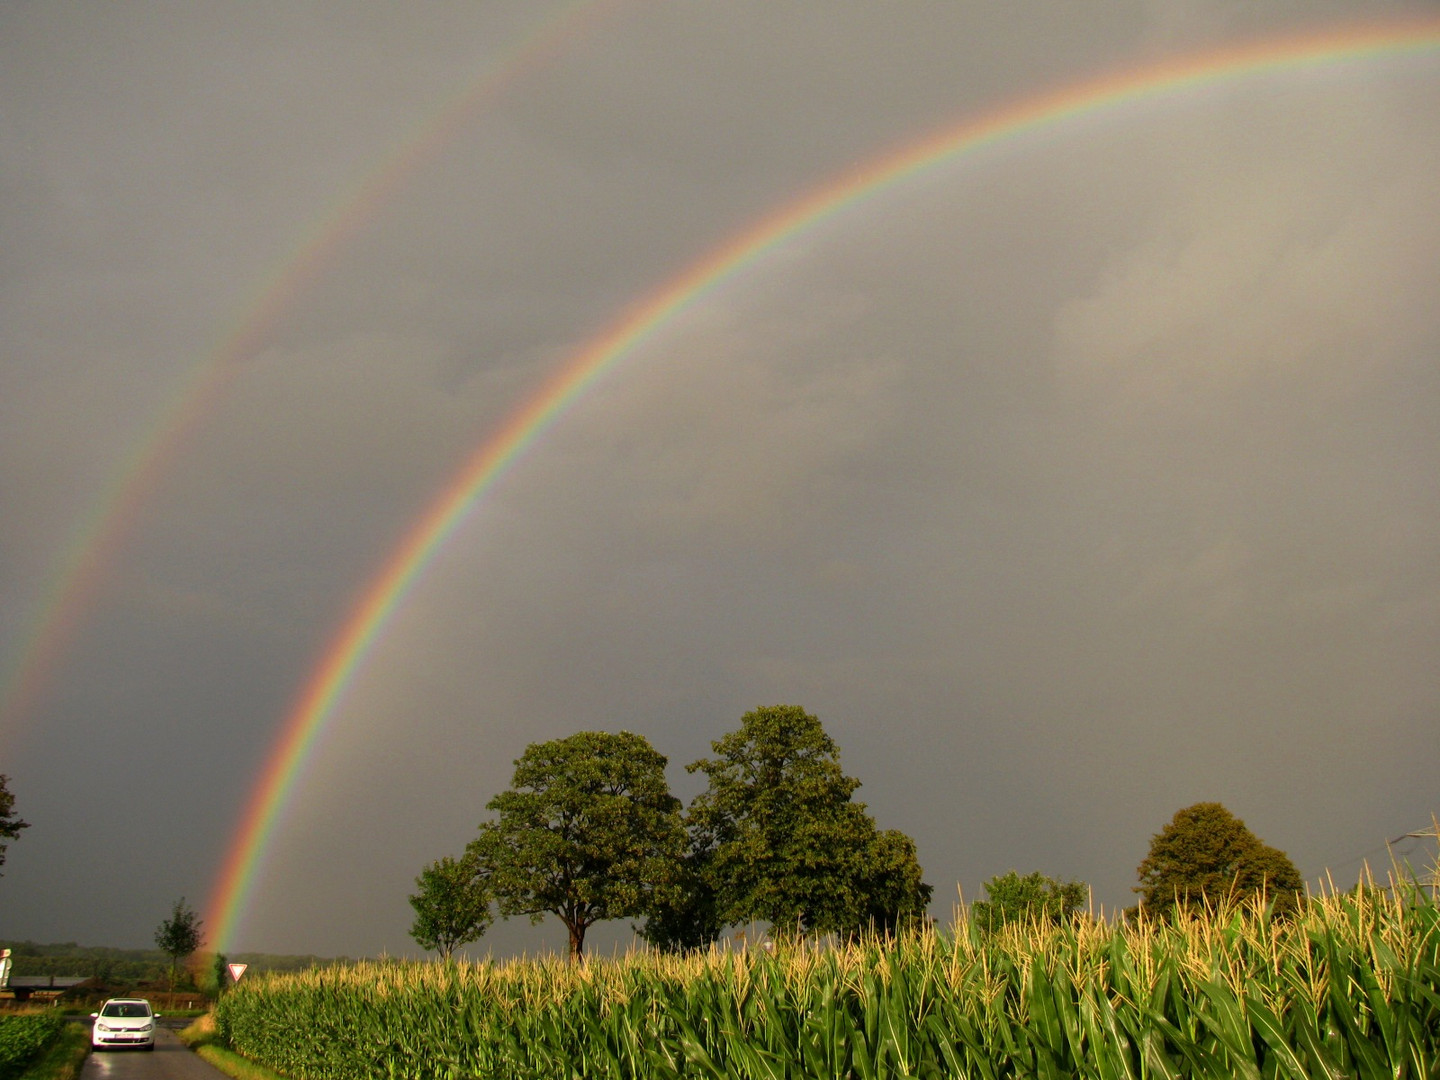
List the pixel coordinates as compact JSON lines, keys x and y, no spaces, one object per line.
{"x":124,"y":1022}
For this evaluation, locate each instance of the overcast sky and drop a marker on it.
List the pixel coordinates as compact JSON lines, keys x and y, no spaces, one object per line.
{"x":1068,"y":483}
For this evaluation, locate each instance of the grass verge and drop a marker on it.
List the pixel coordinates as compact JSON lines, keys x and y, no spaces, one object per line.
{"x":63,"y":1059}
{"x":200,"y":1037}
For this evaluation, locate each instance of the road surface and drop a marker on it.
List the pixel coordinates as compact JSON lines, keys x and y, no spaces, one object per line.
{"x":169,"y":1061}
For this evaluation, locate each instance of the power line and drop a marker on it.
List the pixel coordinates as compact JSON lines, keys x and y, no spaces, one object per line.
{"x":1435,"y":832}
{"x":1387,"y":848}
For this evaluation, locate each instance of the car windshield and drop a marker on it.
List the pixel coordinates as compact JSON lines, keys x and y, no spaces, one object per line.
{"x":125,"y":1008}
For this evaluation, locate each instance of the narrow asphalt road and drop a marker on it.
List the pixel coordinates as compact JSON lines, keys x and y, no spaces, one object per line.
{"x":169,"y":1061}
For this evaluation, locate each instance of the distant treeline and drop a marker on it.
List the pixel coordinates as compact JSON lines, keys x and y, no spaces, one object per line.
{"x":135,"y":966}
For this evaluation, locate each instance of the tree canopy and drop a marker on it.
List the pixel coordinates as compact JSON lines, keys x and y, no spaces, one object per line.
{"x":452,"y":907}
{"x":10,"y":824}
{"x":588,"y":831}
{"x":1206,"y":855}
{"x":1033,"y":898}
{"x":785,"y":843}
{"x":179,"y":935}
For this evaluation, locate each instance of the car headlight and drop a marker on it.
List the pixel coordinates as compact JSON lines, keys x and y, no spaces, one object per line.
{"x":101,"y":1027}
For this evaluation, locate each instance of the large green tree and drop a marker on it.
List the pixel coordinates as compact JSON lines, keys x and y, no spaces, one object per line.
{"x":179,"y":935}
{"x":1033,"y":898}
{"x":786,"y":844}
{"x":10,"y":825}
{"x":452,"y":907}
{"x":1206,"y":856}
{"x":588,"y":831}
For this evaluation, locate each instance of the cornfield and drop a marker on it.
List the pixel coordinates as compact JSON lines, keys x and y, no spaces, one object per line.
{"x":1349,"y":987}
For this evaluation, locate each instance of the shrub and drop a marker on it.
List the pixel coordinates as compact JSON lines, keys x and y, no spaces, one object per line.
{"x":23,"y":1037}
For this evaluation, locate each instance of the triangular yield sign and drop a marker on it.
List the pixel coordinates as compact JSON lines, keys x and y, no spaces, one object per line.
{"x":236,"y":970}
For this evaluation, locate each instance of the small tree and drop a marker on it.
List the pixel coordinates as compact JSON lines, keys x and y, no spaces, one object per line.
{"x":10,"y":825}
{"x":1033,"y":898}
{"x":179,"y":936}
{"x":452,"y":907}
{"x":588,"y":831}
{"x":683,"y":916}
{"x":1206,"y":856}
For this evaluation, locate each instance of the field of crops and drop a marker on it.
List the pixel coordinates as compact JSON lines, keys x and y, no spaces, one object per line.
{"x":1351,"y":987}
{"x":22,"y":1037}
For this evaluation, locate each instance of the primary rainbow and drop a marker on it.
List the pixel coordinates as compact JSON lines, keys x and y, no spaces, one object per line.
{"x":80,"y":570}
{"x":362,"y":629}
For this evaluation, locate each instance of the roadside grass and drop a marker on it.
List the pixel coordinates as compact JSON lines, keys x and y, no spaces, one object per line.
{"x":200,"y":1037}
{"x":200,"y":1033}
{"x":63,"y":1059}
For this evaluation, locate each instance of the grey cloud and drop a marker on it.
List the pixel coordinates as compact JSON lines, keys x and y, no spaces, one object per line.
{"x":1068,"y":482}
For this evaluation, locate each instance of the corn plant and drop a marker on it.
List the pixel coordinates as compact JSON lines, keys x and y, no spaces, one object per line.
{"x":1347,"y":987}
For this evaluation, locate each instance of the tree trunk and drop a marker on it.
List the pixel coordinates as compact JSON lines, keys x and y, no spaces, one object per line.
{"x":577,"y":939}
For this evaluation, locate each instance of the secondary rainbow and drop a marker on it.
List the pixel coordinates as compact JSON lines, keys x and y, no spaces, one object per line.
{"x":325,"y":689}
{"x":80,"y":570}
